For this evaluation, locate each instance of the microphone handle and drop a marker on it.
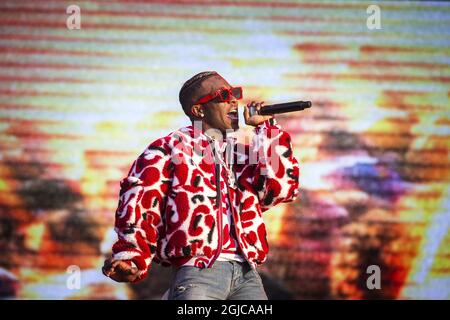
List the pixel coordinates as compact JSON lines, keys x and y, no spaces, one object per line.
{"x":284,"y":107}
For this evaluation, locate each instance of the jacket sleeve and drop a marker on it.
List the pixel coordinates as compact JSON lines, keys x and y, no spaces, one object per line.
{"x":142,"y":200}
{"x":275,"y":174}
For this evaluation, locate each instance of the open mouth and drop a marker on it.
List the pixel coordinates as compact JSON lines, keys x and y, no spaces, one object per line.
{"x":233,"y":115}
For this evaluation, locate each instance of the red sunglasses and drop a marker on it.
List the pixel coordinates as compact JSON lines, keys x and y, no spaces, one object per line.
{"x":223,"y":95}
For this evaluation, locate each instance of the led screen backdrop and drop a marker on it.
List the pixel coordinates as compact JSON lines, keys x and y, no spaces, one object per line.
{"x":78,"y":106}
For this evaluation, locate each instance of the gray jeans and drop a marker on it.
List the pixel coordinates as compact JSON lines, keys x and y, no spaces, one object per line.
{"x":226,"y":280}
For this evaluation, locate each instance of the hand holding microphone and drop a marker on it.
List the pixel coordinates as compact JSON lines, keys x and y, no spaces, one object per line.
{"x":256,"y":113}
{"x":254,"y":119}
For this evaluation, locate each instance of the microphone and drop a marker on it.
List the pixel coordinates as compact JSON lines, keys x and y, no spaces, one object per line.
{"x":281,"y":108}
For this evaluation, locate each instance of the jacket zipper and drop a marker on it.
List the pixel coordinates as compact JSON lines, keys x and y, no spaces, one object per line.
{"x":236,"y":232}
{"x":218,"y":174}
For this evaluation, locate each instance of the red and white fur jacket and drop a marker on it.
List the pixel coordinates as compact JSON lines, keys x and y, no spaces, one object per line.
{"x":168,"y":204}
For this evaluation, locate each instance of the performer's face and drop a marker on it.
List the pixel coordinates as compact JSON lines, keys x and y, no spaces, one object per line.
{"x":216,"y":113}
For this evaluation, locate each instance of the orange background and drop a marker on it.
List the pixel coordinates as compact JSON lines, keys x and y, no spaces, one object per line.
{"x":78,"y":106}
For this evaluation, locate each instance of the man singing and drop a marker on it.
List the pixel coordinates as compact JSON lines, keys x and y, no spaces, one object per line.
{"x":194,"y":199}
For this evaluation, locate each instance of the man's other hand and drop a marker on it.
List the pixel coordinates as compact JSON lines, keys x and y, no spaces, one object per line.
{"x":119,"y":270}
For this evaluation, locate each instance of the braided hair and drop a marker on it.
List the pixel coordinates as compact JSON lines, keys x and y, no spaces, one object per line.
{"x":189,"y":87}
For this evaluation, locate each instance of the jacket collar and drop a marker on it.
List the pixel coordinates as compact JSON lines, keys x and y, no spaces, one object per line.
{"x":197,"y":135}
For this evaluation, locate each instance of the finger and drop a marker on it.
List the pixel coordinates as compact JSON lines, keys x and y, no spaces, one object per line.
{"x":108,"y":266}
{"x":109,"y":272}
{"x":107,"y":263}
{"x":115,"y":266}
{"x":115,"y":263}
{"x":124,"y":278}
{"x":116,"y":277}
{"x":246,"y":113}
{"x":124,"y":267}
{"x":133,"y":271}
{"x":259,"y":105}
